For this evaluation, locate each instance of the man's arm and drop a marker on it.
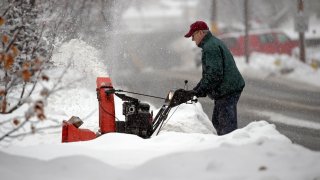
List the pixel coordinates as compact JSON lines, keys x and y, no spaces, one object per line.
{"x":213,"y":72}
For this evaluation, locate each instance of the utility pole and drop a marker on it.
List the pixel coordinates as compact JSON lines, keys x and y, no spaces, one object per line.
{"x":213,"y":18}
{"x":246,"y":22}
{"x":301,"y":27}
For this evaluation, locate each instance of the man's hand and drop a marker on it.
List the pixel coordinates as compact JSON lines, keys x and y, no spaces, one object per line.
{"x":181,"y":96}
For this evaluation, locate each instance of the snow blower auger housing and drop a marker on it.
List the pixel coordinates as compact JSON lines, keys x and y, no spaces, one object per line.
{"x":138,"y":118}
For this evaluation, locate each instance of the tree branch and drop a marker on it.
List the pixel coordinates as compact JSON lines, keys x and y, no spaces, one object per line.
{"x":36,"y":130}
{"x":9,"y":120}
{"x":14,"y":38}
{"x":22,"y":100}
{"x":13,"y":130}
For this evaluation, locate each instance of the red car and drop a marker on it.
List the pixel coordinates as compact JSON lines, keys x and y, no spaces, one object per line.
{"x":269,"y":42}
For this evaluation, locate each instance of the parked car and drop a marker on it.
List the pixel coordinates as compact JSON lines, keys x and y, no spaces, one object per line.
{"x":269,"y":42}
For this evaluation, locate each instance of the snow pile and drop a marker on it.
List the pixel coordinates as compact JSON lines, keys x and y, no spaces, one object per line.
{"x":257,"y":151}
{"x":264,"y":65}
{"x":189,"y":118}
{"x":280,"y":118}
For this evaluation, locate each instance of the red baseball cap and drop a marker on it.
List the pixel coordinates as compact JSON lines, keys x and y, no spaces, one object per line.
{"x":198,"y":25}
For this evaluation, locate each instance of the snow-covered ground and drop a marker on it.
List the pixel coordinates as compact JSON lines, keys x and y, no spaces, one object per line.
{"x":257,"y":151}
{"x":187,"y":148}
{"x":282,"y":66}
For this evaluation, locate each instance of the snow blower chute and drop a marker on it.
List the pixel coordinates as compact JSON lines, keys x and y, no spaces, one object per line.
{"x":138,"y":117}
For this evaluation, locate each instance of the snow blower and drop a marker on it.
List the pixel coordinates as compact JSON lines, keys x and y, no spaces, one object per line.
{"x":138,"y":117}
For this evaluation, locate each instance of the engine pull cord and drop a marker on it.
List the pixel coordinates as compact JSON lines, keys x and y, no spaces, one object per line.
{"x":162,"y":123}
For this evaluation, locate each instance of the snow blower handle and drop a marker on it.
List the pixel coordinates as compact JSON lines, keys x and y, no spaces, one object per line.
{"x":112,"y":91}
{"x":182,"y":96}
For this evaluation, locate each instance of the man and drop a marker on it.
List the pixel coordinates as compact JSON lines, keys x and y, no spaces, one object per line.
{"x":221,"y":79}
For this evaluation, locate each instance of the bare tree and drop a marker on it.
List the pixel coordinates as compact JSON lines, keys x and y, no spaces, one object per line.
{"x":25,"y":55}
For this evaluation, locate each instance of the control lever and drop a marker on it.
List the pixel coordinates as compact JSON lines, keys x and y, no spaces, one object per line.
{"x":185,"y":84}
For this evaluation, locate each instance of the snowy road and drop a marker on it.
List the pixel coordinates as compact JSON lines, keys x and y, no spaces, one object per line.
{"x":293,"y":107}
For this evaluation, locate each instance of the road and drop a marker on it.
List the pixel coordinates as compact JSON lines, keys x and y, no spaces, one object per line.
{"x":293,"y":107}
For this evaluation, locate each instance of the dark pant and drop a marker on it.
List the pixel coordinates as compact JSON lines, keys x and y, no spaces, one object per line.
{"x":224,"y":118}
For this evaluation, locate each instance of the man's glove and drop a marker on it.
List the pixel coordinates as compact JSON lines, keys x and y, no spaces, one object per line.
{"x":181,"y":96}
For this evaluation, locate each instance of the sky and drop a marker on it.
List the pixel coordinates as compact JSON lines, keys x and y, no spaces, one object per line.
{"x":186,"y":148}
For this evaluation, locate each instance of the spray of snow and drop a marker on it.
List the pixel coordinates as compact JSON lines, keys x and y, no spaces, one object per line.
{"x":80,"y":81}
{"x":82,"y":57}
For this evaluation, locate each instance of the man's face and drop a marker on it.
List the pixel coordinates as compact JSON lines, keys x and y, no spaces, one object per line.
{"x":197,"y":37}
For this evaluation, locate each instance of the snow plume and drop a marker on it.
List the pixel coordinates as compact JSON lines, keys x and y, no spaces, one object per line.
{"x":79,"y":99}
{"x":83,"y":59}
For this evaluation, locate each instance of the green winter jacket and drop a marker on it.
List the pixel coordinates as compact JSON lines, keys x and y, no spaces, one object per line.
{"x":220,"y":75}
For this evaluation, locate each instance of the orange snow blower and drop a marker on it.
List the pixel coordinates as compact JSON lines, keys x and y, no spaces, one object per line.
{"x":138,"y":118}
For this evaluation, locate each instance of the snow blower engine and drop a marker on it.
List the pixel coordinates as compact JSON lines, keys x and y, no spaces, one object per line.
{"x":138,"y":117}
